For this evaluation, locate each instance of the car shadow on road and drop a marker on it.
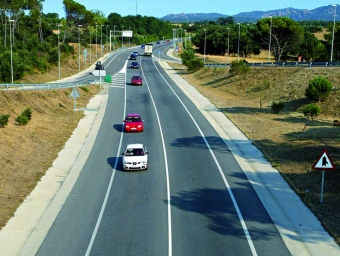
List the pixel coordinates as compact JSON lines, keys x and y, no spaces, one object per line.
{"x":118,"y":127}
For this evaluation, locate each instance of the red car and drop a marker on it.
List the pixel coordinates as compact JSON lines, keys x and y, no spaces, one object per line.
{"x":133,"y":123}
{"x":136,"y":80}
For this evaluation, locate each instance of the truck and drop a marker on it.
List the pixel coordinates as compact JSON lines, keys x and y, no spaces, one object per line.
{"x":148,"y":49}
{"x":99,"y":66}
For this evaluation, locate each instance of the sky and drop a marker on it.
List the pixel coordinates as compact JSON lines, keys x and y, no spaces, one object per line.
{"x":161,"y":8}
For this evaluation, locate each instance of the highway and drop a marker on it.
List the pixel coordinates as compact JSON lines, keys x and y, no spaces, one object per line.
{"x":194,"y":199}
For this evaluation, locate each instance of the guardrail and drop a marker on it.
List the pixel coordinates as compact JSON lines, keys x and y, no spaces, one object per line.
{"x":46,"y":86}
{"x":279,"y":64}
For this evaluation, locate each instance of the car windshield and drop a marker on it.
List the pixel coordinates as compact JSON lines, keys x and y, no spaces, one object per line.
{"x":135,"y":152}
{"x":137,"y":77}
{"x":132,"y":119}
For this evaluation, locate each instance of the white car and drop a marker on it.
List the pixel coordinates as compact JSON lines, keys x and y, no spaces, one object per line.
{"x":135,"y":157}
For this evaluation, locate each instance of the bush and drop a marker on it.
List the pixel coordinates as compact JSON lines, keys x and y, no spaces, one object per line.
{"x":4,"y":120}
{"x":311,"y":110}
{"x":239,"y":67}
{"x":195,"y":64}
{"x":318,"y":89}
{"x":277,"y":107}
{"x":28,"y":113}
{"x":22,"y":120}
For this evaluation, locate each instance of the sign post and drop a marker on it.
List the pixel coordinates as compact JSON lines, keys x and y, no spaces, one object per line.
{"x":323,"y":162}
{"x":74,"y":94}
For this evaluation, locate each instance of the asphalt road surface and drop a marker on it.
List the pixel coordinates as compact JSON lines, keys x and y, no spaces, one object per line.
{"x":194,"y":198}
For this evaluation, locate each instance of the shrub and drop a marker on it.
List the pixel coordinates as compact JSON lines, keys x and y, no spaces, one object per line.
{"x":195,"y":64}
{"x":4,"y":120}
{"x":28,"y":113}
{"x":277,"y":107}
{"x":318,"y":89}
{"x":239,"y":67}
{"x":311,"y":110}
{"x":84,"y":88}
{"x":22,"y":120}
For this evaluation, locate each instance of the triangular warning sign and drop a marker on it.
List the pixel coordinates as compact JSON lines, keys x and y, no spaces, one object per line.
{"x":75,"y":93}
{"x":323,"y":162}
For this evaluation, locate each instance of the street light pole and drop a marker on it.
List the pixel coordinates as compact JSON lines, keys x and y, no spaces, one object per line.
{"x":59,"y":25}
{"x":185,"y":39}
{"x":90,"y":46}
{"x":101,"y":40}
{"x":228,"y":41}
{"x":270,"y":36}
{"x":106,"y":39}
{"x":96,"y":42}
{"x":10,"y":38}
{"x":79,"y":46}
{"x":238,"y":44}
{"x":114,"y":37}
{"x":122,"y":35}
{"x":129,"y":36}
{"x":205,"y":42}
{"x":333,"y":32}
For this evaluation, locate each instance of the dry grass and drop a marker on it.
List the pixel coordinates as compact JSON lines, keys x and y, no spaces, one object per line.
{"x":246,"y":102}
{"x":26,"y":152}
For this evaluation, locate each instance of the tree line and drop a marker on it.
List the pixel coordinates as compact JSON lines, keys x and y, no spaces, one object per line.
{"x":284,"y":37}
{"x":29,"y":38}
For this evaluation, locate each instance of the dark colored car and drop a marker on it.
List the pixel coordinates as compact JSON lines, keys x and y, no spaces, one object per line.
{"x":134,"y":64}
{"x":136,"y":80}
{"x":99,"y":66}
{"x":133,"y":123}
{"x":135,"y":53}
{"x":133,"y":57}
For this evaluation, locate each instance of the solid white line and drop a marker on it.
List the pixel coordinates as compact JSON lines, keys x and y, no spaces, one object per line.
{"x":166,"y":169}
{"x":94,"y":234}
{"x":239,"y":214}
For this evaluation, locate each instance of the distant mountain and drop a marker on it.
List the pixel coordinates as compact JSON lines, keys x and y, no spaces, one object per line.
{"x":325,"y":13}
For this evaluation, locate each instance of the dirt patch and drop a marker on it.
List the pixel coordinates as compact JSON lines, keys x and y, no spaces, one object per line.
{"x":246,"y":101}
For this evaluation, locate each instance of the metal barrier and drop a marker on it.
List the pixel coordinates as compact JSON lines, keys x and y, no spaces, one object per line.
{"x":278,"y":64}
{"x":47,"y":86}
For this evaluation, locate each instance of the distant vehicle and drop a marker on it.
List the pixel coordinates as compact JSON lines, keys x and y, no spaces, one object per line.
{"x":99,"y":66}
{"x":133,"y":56}
{"x":158,"y":42}
{"x":134,"y":64}
{"x":135,"y":157}
{"x":136,"y":53}
{"x":137,"y":80}
{"x":148,"y":49}
{"x":133,"y":123}
{"x":142,"y":46}
{"x":168,"y":41}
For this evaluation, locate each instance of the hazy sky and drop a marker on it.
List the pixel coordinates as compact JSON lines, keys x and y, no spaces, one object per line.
{"x":160,"y":8}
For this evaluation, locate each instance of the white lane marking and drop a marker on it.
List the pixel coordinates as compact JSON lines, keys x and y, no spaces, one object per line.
{"x":166,"y":168}
{"x":95,"y":231}
{"x":239,"y":214}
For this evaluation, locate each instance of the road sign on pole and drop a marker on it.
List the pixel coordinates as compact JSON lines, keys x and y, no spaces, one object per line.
{"x":74,"y":94}
{"x":323,"y":162}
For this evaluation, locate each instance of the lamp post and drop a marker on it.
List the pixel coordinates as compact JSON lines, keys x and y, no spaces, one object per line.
{"x":90,"y":46}
{"x":79,"y":26}
{"x":114,"y":37}
{"x":185,"y":39}
{"x":59,"y":25}
{"x":96,"y":42}
{"x":129,"y":36}
{"x":101,"y":40}
{"x":205,"y":42}
{"x":270,"y":36}
{"x":106,"y":39}
{"x":228,"y":41}
{"x":10,"y":39}
{"x":122,"y":36}
{"x":333,"y":32}
{"x":238,"y":44}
